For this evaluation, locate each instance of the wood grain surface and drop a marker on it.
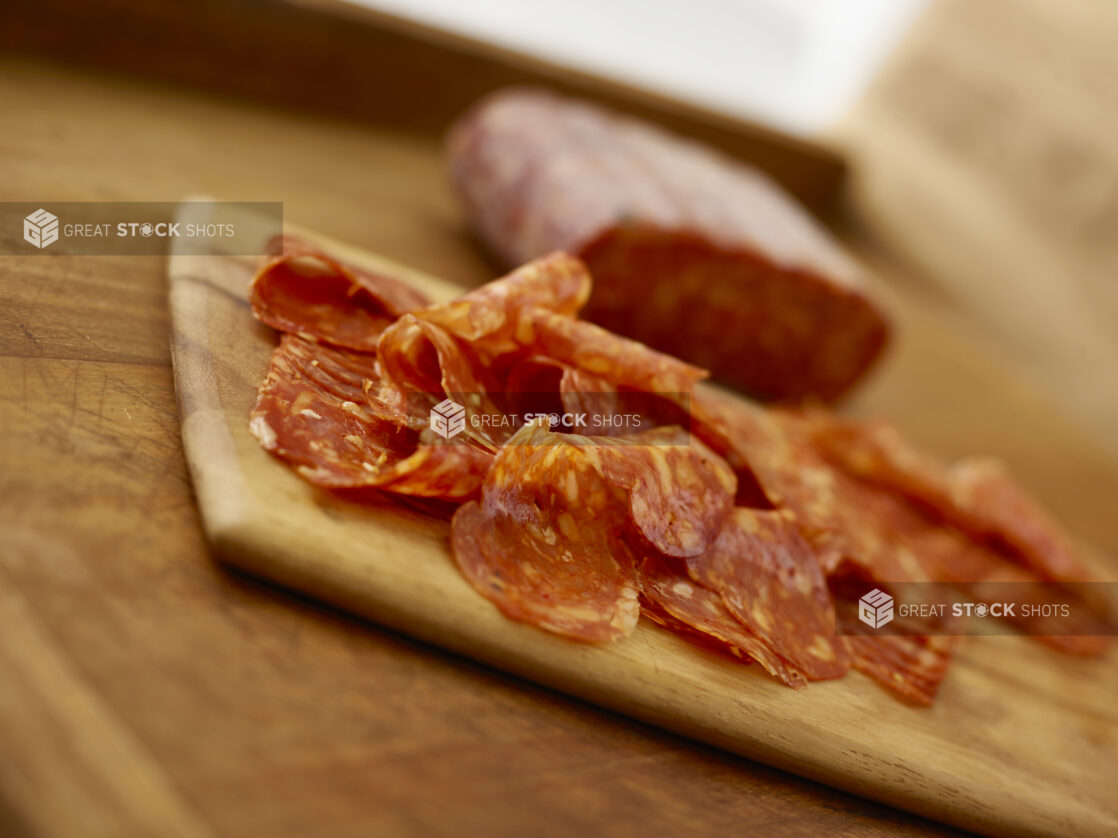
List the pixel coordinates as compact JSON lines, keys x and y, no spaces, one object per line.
{"x":129,"y":661}
{"x":126,"y":651}
{"x":962,"y":761}
{"x":336,"y":58}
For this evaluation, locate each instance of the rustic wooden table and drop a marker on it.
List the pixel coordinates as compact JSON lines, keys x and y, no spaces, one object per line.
{"x":146,"y":691}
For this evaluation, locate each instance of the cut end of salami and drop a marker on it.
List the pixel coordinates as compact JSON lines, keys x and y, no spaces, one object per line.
{"x":692,"y":252}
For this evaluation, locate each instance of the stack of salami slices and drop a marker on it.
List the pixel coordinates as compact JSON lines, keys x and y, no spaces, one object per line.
{"x":730,"y":524}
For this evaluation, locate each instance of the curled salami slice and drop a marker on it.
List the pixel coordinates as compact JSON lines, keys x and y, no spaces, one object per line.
{"x":623,"y":362}
{"x":304,"y":291}
{"x":874,"y":451}
{"x":543,"y":385}
{"x":675,"y":601}
{"x":912,"y":667}
{"x":544,"y":541}
{"x":770,"y":453}
{"x":770,"y":580}
{"x":557,"y":282}
{"x":679,"y":491}
{"x":423,"y":357}
{"x":426,"y":364}
{"x":302,"y":415}
{"x":843,"y":518}
{"x":549,"y":385}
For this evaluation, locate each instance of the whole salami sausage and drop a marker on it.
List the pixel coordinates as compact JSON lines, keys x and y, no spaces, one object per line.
{"x":691,"y":252}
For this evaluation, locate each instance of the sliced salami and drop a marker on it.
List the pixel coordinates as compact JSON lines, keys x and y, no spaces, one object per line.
{"x":544,"y":542}
{"x":623,"y":362}
{"x":490,"y":314}
{"x":991,"y":503}
{"x":679,"y":491}
{"x":977,"y":495}
{"x":770,"y":580}
{"x":426,"y":364}
{"x":750,"y":530}
{"x":678,"y":603}
{"x":304,"y":291}
{"x":303,"y":416}
{"x":912,"y":667}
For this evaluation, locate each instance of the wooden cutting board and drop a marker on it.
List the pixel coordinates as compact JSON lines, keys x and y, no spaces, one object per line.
{"x":1021,"y":740}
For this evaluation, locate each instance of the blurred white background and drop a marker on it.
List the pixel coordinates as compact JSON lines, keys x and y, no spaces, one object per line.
{"x":795,"y":64}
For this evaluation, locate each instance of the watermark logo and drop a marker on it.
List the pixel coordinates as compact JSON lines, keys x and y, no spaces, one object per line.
{"x":196,"y":228}
{"x":875,"y":609}
{"x":40,"y":228}
{"x":448,"y":419}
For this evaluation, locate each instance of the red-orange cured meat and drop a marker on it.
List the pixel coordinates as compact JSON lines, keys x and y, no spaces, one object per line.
{"x":538,"y":384}
{"x":912,"y":667}
{"x":750,"y":531}
{"x":899,"y":523}
{"x":691,"y":252}
{"x":304,"y":291}
{"x":625,"y":363}
{"x":426,"y":364}
{"x":992,"y":504}
{"x":490,"y":314}
{"x":844,"y":518}
{"x":544,"y":541}
{"x":874,"y":451}
{"x":976,"y":495}
{"x":677,"y":602}
{"x":770,"y":580}
{"x":338,"y":440}
{"x":894,"y":541}
{"x":679,"y":492}
{"x":768,"y":448}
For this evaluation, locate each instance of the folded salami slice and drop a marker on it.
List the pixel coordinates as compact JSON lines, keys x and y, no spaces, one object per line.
{"x":544,"y":543}
{"x":770,"y":580}
{"x":490,"y":314}
{"x":844,"y":517}
{"x":337,"y":439}
{"x":691,"y":252}
{"x":304,"y":291}
{"x":678,"y":603}
{"x":679,"y":491}
{"x":538,"y":384}
{"x":425,"y":364}
{"x":624,"y":363}
{"x":913,"y":667}
{"x":769,"y":451}
{"x":467,"y":349}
